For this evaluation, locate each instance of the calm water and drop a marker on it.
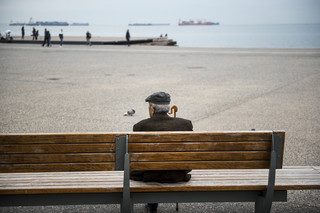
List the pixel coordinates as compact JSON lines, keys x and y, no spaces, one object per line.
{"x":265,"y":36}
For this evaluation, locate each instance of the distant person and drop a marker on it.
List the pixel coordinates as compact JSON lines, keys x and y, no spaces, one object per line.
{"x":61,"y":37}
{"x":45,"y":41}
{"x":8,"y":35}
{"x":88,"y":37}
{"x":22,"y":32}
{"x":37,"y":34}
{"x":128,"y":38}
{"x":34,"y":33}
{"x":48,"y":39}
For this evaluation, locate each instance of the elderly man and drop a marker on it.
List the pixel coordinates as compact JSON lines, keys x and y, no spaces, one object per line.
{"x":159,"y":106}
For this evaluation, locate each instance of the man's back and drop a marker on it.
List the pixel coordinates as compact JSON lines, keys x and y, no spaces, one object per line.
{"x":163,"y":122}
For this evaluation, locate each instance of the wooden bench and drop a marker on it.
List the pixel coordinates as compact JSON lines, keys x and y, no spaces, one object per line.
{"x":60,"y":169}
{"x":63,"y":169}
{"x":227,"y":167}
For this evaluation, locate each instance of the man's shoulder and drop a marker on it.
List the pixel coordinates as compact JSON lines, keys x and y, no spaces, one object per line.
{"x":163,"y":123}
{"x":144,"y":121}
{"x":182,"y":119}
{"x":185,"y":122}
{"x":138,"y":126}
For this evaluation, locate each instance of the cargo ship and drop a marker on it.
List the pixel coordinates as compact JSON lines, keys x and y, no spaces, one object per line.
{"x":148,"y":24}
{"x":79,"y":24}
{"x":40,"y":23}
{"x":17,"y":24}
{"x":51,"y":23}
{"x":47,"y":23}
{"x":196,"y":23}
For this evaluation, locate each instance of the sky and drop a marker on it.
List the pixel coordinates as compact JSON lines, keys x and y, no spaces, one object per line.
{"x":123,"y":12}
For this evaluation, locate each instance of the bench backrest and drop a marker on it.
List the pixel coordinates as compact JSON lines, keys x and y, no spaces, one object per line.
{"x":57,"y":152}
{"x":204,"y":150}
{"x":148,"y":151}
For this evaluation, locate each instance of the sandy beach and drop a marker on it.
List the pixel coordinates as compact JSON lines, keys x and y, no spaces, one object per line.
{"x":88,"y":89}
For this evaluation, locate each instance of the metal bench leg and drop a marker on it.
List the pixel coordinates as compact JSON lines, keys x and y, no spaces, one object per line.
{"x":127,"y":205}
{"x":259,"y":205}
{"x":264,"y":202}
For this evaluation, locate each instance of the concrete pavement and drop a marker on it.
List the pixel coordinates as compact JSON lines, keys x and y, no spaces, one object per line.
{"x":88,"y":89}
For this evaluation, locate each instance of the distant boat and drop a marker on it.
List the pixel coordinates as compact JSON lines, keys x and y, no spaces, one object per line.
{"x":17,"y":24}
{"x":148,"y":24}
{"x":79,"y":24}
{"x":51,"y":23}
{"x":40,"y":23}
{"x":47,"y":23}
{"x":195,"y":23}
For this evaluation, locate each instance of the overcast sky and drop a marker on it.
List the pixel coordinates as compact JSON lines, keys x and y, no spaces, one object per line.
{"x":122,"y":12}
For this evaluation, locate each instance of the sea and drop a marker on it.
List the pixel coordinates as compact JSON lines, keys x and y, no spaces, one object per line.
{"x":229,"y":36}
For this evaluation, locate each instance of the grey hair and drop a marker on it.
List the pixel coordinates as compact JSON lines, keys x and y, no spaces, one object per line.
{"x":160,"y":108}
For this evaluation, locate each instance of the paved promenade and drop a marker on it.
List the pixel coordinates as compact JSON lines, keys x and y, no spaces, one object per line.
{"x":88,"y":89}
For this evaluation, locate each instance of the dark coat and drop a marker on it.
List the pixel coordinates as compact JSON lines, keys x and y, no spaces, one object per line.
{"x":128,"y":35}
{"x":162,"y":122}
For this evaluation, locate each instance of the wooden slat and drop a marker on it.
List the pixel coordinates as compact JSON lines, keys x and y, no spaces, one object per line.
{"x":57,"y":148}
{"x":317,"y":168}
{"x":58,"y":167}
{"x":200,"y":156}
{"x":99,"y":188}
{"x":199,"y":146}
{"x":289,"y":178}
{"x":57,"y":158}
{"x":58,"y":138}
{"x":57,"y":175}
{"x":186,"y":165}
{"x":61,"y":182}
{"x":199,"y":136}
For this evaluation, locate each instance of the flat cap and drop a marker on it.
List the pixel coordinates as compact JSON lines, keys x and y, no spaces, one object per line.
{"x":159,"y":98}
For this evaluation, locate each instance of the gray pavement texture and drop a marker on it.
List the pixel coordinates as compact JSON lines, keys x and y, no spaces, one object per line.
{"x":88,"y":89}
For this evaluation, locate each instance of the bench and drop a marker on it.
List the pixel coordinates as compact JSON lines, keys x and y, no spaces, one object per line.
{"x":93,"y":168}
{"x":226,"y":167}
{"x":60,"y":169}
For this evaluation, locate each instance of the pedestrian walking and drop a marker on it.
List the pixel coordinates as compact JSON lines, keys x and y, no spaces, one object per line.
{"x":61,"y":37}
{"x":22,"y":32}
{"x":128,"y":38}
{"x":48,"y":39}
{"x":45,"y":41}
{"x":88,"y":37}
{"x":34,"y":33}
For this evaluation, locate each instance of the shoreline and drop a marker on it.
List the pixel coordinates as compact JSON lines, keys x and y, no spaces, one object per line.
{"x":178,"y":49}
{"x":100,"y":40}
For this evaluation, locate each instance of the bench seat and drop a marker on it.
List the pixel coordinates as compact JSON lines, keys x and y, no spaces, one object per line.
{"x":102,"y":187}
{"x":61,"y":182}
{"x":287,"y":178}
